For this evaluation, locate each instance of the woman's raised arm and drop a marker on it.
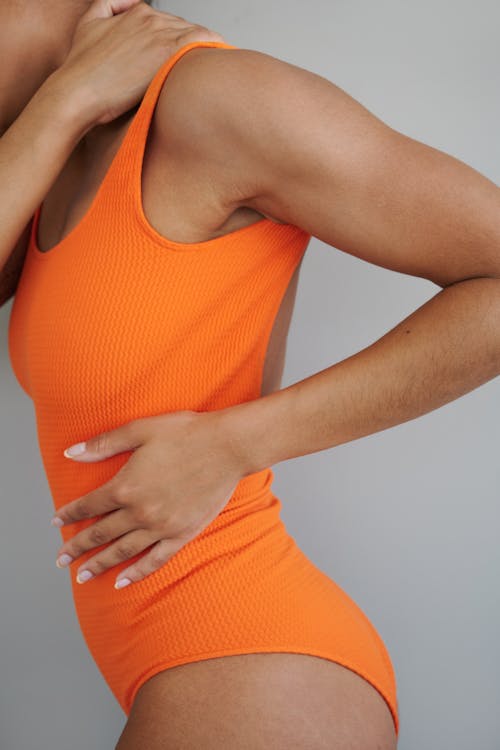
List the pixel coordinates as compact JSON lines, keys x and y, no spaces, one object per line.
{"x":95,"y":84}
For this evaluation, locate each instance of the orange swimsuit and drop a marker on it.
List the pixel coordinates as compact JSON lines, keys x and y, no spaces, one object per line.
{"x":117,"y":322}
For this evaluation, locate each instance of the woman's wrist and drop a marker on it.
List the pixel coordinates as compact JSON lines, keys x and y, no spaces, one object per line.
{"x":72,"y":104}
{"x":246,"y":427}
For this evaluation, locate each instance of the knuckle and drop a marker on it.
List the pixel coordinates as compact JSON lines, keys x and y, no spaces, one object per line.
{"x":76,"y":549}
{"x":82,"y":510}
{"x":132,"y":429}
{"x":124,"y":551}
{"x":157,"y":22}
{"x":158,"y":557}
{"x":170,"y":527}
{"x":153,"y":20}
{"x":207,"y":35}
{"x":98,"y":565}
{"x":144,"y":514}
{"x":216,"y":37}
{"x":98,"y":536}
{"x":123,"y":493}
{"x":100,"y":442}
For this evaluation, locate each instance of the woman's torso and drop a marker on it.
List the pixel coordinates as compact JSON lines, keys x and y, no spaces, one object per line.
{"x":115,"y":320}
{"x":166,"y":207}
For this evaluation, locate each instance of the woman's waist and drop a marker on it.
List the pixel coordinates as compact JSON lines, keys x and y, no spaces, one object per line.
{"x":251,"y":506}
{"x":241,"y":538}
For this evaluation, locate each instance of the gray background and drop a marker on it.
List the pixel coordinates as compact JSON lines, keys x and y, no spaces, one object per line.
{"x":405,"y":520}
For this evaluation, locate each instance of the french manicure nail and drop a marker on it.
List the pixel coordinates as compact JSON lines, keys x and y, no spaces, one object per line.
{"x":75,"y":450}
{"x":122,"y":582}
{"x":85,"y":575}
{"x":63,"y":560}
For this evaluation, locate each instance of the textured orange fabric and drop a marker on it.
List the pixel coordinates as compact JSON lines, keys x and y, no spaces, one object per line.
{"x":117,"y":322}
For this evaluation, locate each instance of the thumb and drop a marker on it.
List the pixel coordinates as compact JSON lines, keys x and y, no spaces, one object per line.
{"x":126,"y":437}
{"x":106,"y":9}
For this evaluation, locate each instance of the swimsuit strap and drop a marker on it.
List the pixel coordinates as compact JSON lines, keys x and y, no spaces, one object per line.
{"x":127,"y":164}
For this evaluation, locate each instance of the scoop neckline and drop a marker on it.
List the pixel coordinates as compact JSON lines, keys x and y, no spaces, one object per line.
{"x":137,"y":165}
{"x":38,"y":253}
{"x":136,"y":179}
{"x":86,"y":216}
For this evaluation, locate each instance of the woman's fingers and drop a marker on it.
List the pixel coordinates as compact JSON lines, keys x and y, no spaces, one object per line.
{"x":103,"y":531}
{"x":156,"y":558}
{"x":124,"y":548}
{"x":106,"y":9}
{"x":108,"y":497}
{"x":111,"y":61}
{"x":173,"y":485}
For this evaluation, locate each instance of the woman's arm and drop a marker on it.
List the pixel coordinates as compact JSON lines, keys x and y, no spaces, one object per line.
{"x":446,"y":348}
{"x":11,"y":271}
{"x":33,"y":151}
{"x":95,"y":85}
{"x":303,"y":151}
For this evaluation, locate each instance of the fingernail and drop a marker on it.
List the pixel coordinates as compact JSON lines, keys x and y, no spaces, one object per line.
{"x":122,"y":582}
{"x":85,"y":575}
{"x":57,"y":522}
{"x":63,"y":560}
{"x":74,"y":450}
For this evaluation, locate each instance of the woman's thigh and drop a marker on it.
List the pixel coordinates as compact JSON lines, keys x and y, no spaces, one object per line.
{"x":282,"y":701}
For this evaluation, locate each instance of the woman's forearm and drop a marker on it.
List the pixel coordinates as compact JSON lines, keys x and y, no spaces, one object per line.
{"x":446,"y":348}
{"x":33,"y":151}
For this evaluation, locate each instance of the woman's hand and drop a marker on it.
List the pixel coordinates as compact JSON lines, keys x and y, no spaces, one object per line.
{"x":183,"y":470}
{"x":117,"y":47}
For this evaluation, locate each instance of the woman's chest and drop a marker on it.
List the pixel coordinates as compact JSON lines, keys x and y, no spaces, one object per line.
{"x":105,"y":307}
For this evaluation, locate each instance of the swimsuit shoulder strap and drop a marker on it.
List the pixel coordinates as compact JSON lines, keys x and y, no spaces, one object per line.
{"x":131,"y":153}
